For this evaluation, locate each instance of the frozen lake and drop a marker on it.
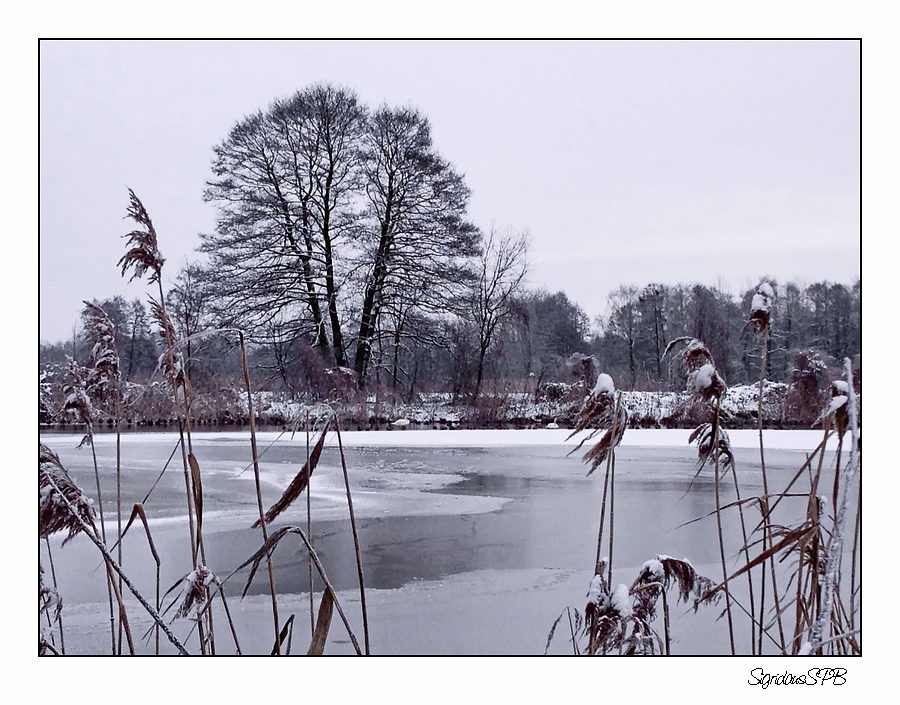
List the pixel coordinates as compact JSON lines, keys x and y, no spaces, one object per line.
{"x":473,"y":542}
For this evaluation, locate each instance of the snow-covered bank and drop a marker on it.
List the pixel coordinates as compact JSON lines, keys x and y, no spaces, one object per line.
{"x":485,"y":438}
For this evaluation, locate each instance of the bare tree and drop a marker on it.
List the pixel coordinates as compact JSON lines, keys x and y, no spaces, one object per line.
{"x":286,"y":185}
{"x":188,"y":303}
{"x":502,"y":268}
{"x":623,"y":323}
{"x":417,"y":242}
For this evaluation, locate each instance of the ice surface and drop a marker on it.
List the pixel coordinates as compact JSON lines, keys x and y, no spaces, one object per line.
{"x":483,"y":536}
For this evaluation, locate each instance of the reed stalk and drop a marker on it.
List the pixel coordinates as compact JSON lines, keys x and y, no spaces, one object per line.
{"x":603,"y":513}
{"x":853,"y":557}
{"x":62,"y":640}
{"x":309,"y":563}
{"x":665,"y":601}
{"x":359,"y":568}
{"x":259,"y":501}
{"x":719,"y":526}
{"x":831,"y":582}
{"x":119,"y":491}
{"x":78,"y":403}
{"x":612,"y":509}
{"x":109,"y":588}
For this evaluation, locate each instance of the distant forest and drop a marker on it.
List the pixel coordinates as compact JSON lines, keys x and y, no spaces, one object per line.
{"x":534,"y":345}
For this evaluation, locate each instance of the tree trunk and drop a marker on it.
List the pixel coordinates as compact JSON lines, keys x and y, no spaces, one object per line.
{"x":482,"y":354}
{"x":370,"y":308}
{"x":340,"y":358}
{"x":305,"y":255}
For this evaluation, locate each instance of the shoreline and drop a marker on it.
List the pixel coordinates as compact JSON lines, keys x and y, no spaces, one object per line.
{"x":798,"y":440}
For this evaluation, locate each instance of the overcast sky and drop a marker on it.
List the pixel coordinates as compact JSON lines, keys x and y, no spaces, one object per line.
{"x":627,"y":162}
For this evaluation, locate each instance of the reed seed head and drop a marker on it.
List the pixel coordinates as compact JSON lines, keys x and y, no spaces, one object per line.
{"x":53,"y":512}
{"x":103,"y":374}
{"x":712,"y":440}
{"x":196,"y":592}
{"x":760,"y":308}
{"x":78,"y":402}
{"x":144,"y":254}
{"x":704,"y":380}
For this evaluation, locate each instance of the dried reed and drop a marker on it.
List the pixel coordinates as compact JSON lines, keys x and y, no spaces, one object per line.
{"x":262,"y":520}
{"x":705,"y":383}
{"x":62,"y":506}
{"x":359,"y":568}
{"x":266,"y":549}
{"x":105,"y":381}
{"x":602,"y":408}
{"x":620,"y":620}
{"x":138,"y":511}
{"x":298,"y":484}
{"x":144,"y":257}
{"x":759,"y":319}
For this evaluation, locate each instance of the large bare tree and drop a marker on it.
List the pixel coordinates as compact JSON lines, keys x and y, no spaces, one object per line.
{"x":285,"y":183}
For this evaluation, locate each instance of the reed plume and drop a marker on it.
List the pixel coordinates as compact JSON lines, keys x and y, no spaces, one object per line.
{"x":196,"y":592}
{"x":837,"y":411}
{"x":144,"y":255}
{"x":78,"y":402}
{"x":53,"y":512}
{"x":103,"y":376}
{"x":105,"y":382}
{"x":712,"y":446}
{"x":599,"y":411}
{"x":760,"y":309}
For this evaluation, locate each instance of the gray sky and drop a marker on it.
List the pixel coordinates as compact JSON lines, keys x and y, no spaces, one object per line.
{"x":627,"y":162}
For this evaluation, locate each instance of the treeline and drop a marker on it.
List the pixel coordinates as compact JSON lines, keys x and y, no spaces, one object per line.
{"x":541,"y":339}
{"x":821,"y":321}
